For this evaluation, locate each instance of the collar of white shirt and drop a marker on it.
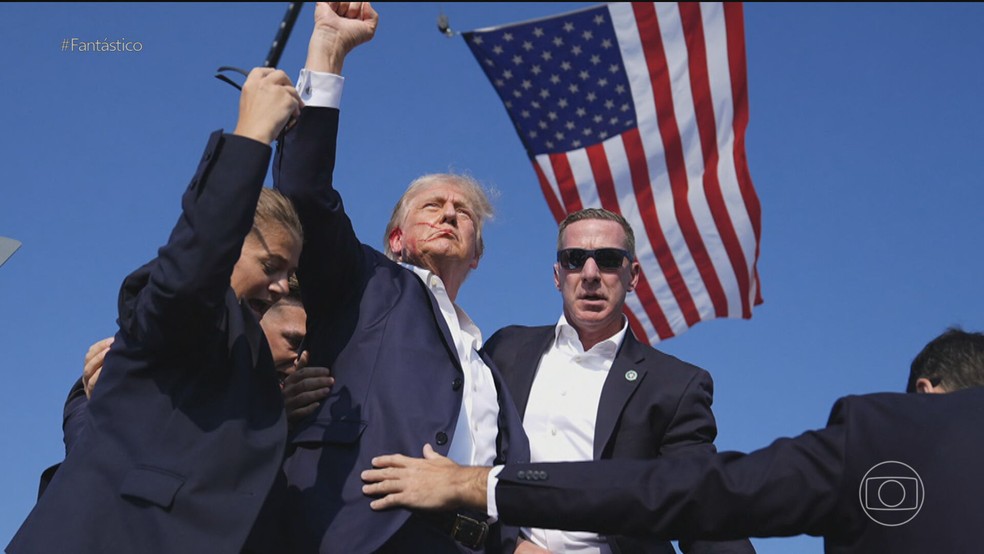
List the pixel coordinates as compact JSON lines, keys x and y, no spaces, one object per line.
{"x":566,"y":340}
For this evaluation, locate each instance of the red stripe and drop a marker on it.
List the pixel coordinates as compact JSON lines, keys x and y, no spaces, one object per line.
{"x":639,"y":168}
{"x":555,"y":209}
{"x":565,"y":182}
{"x":602,"y":173}
{"x":735,"y":29}
{"x":645,"y":14}
{"x":700,"y":86}
{"x":603,"y":179}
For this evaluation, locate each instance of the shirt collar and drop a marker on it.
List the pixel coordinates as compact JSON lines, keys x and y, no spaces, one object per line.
{"x":565,"y":336}
{"x":436,"y":285}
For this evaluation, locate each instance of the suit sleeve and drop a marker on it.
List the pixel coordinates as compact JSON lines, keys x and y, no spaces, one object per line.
{"x":302,"y":171}
{"x":789,"y":488}
{"x":178,"y":299}
{"x":692,"y":429}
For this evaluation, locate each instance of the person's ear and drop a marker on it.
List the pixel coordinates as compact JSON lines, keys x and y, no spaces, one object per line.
{"x":925,"y":386}
{"x":396,"y":241}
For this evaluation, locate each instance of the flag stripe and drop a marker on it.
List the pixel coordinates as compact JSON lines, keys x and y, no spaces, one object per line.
{"x":565,"y":182}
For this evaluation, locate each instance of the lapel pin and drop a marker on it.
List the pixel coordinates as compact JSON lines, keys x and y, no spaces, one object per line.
{"x":631,"y":375}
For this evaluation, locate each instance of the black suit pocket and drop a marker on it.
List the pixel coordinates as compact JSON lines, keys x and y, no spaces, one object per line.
{"x":153,"y":485}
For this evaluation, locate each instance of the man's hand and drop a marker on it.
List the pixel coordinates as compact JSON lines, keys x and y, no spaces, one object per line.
{"x":304,"y":389}
{"x":338,"y":28}
{"x":267,"y":102}
{"x":431,"y":483}
{"x":92,"y":366}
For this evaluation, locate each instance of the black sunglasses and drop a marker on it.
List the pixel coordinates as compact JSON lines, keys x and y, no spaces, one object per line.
{"x":606,"y":258}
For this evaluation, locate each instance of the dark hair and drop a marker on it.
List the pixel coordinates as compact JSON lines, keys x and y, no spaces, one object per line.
{"x":598,"y":213}
{"x":953,"y":360}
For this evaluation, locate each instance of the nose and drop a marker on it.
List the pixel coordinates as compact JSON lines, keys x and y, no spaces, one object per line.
{"x":450,"y":212}
{"x":590,"y":271}
{"x":280,"y":287}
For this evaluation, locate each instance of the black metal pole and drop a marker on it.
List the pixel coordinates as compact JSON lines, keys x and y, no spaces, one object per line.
{"x":283,"y":33}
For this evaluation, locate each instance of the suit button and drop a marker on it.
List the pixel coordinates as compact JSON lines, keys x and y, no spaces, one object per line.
{"x":457,"y":383}
{"x":441,"y":438}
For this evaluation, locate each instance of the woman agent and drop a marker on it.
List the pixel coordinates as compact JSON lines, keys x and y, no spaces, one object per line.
{"x":185,"y":432}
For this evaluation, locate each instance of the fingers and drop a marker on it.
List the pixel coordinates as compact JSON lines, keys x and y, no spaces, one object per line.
{"x":90,"y":384}
{"x":94,"y":359}
{"x":429,"y":453}
{"x":304,"y":389}
{"x":98,"y":347}
{"x":301,"y":361}
{"x":267,"y":102}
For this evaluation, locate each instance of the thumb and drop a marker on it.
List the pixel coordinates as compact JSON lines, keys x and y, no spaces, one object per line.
{"x":429,"y":453}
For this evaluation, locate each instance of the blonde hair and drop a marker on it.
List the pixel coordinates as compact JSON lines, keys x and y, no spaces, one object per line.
{"x":274,"y":208}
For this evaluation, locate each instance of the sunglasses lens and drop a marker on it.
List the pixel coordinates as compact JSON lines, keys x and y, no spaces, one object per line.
{"x":608,"y":258}
{"x":573,"y":258}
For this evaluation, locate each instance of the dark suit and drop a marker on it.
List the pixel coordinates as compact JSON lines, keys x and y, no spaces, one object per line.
{"x":815,"y":483}
{"x":664,"y":409}
{"x":184,"y":434}
{"x":398,"y":380}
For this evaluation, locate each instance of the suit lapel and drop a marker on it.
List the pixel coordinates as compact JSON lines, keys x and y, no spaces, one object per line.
{"x":441,"y":322}
{"x":618,"y":388}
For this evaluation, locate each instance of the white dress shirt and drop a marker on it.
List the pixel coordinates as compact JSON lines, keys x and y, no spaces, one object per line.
{"x":560,"y":419}
{"x":474,"y":437}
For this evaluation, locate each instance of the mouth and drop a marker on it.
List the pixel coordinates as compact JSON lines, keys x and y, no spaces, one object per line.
{"x":258,"y":306}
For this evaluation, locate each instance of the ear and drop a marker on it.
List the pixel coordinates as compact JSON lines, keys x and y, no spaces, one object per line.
{"x":556,"y":268}
{"x":474,"y":262}
{"x":635,"y":270}
{"x":396,"y":241}
{"x":925,"y":386}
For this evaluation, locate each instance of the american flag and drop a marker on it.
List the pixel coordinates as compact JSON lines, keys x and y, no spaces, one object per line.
{"x":641,"y":109}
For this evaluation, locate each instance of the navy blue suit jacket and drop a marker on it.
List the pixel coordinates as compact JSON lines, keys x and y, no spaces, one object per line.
{"x":184,"y":435}
{"x":663,"y":410}
{"x":397,"y":374}
{"x":822,"y":483}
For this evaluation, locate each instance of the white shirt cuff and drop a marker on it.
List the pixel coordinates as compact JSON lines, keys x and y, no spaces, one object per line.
{"x":493,"y":480}
{"x":321,"y":90}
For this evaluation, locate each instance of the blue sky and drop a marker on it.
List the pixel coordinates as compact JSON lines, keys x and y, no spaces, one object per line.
{"x":863,"y":144}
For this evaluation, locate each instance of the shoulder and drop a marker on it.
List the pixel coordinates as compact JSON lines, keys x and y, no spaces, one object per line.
{"x":666,"y":367}
{"x":512,"y":335}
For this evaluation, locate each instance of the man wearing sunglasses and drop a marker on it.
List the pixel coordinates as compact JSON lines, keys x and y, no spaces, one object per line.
{"x":589,"y":390}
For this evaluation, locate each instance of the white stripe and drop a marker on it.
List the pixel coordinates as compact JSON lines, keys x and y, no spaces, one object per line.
{"x":642,"y":93}
{"x":635,"y":306}
{"x":587,"y":189}
{"x":543,"y":160}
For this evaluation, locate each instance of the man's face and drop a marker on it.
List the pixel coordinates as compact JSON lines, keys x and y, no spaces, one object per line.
{"x":284,"y":327}
{"x":593,"y":298}
{"x":268,"y":258}
{"x":439,"y":225}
